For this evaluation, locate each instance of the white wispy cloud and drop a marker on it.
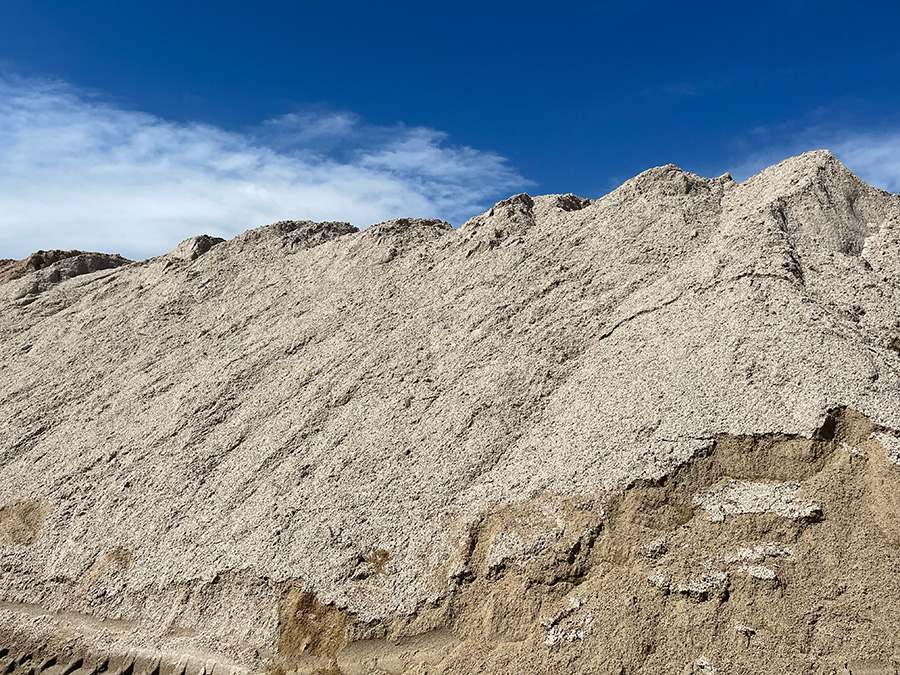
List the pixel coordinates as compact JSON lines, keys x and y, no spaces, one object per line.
{"x":77,"y":172}
{"x":874,"y":157}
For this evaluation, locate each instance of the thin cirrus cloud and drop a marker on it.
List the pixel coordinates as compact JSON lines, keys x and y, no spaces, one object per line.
{"x":76,"y":172}
{"x":874,"y":157}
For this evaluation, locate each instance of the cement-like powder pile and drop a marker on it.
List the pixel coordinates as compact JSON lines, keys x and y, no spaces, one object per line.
{"x":653,"y":433}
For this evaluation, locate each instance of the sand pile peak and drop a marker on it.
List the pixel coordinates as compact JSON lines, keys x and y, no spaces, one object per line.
{"x":397,"y":432}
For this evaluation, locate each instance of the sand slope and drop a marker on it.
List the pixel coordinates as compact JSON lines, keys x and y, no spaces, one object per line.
{"x":545,"y":440}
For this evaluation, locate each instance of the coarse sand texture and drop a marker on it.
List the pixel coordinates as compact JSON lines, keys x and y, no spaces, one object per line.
{"x":651,"y":433}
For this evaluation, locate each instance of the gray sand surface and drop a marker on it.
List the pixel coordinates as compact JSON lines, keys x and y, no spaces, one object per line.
{"x":310,"y":420}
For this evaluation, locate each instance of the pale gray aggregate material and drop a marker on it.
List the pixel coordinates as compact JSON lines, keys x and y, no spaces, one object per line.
{"x":734,"y":498}
{"x":281,"y":404}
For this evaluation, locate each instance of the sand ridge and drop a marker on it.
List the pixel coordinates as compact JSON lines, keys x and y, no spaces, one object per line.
{"x":312,"y":412}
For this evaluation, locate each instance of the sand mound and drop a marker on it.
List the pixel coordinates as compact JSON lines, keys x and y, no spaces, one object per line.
{"x":71,"y":264}
{"x":654,"y":432}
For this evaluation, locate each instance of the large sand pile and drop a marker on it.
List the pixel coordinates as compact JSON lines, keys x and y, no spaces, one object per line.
{"x":651,"y":433}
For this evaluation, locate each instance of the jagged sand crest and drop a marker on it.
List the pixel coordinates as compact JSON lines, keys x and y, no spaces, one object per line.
{"x":653,"y":432}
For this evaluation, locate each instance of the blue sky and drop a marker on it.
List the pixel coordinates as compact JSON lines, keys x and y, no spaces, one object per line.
{"x":129,"y":126}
